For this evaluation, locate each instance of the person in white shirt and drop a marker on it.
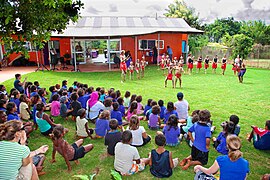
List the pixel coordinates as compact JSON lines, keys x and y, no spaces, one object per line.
{"x":127,"y":159}
{"x":181,"y":106}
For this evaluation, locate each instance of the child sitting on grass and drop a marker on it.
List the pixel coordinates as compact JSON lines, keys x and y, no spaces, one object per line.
{"x":140,"y":137}
{"x":24,"y":109}
{"x":261,"y":137}
{"x":161,"y":161}
{"x":112,"y":137}
{"x":102,"y":124}
{"x":82,"y":125}
{"x":121,"y":107}
{"x":139,"y":105}
{"x":55,"y":105}
{"x":235,"y":120}
{"x":127,"y":159}
{"x":220,"y":142}
{"x":172,"y":131}
{"x":189,"y":122}
{"x":147,"y":106}
{"x":64,"y":111}
{"x":154,"y":120}
{"x":116,"y":114}
{"x":75,"y":105}
{"x":201,"y":143}
{"x":69,"y":152}
{"x":169,"y":111}
{"x":162,"y":109}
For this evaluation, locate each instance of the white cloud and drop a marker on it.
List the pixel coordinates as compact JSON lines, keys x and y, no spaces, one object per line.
{"x":208,"y":10}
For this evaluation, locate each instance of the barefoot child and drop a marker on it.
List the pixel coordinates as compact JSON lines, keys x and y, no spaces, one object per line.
{"x":201,"y":143}
{"x":138,"y":68}
{"x":169,"y":75}
{"x":127,"y":160}
{"x":224,"y":63}
{"x":143,"y":64}
{"x":206,"y":64}
{"x":131,"y":70}
{"x":178,"y":74}
{"x":199,"y":64}
{"x":190,"y":63}
{"x":83,"y":130}
{"x":161,"y":161}
{"x":162,"y":64}
{"x":214,"y":64}
{"x":69,"y":152}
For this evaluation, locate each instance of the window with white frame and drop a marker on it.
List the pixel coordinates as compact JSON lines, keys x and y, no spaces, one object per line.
{"x":148,"y":44}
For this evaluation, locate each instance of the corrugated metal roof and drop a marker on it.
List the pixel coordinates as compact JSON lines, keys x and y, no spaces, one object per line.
{"x":98,"y":26}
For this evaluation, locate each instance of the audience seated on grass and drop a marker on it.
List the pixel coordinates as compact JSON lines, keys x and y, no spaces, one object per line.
{"x":162,"y":109}
{"x":235,"y":120}
{"x":188,"y":122}
{"x":261,"y":137}
{"x":93,"y":107}
{"x":172,"y":131}
{"x":127,"y":160}
{"x":25,"y":112}
{"x":82,"y":129}
{"x":154,"y":119}
{"x":161,"y":161}
{"x":112,"y":137}
{"x":75,"y":105}
{"x":55,"y":106}
{"x":169,"y":111}
{"x":44,"y":121}
{"x":201,"y":143}
{"x":3,"y":117}
{"x":69,"y":152}
{"x":231,"y":166}
{"x":139,"y":135}
{"x":102,"y":124}
{"x":220,"y":142}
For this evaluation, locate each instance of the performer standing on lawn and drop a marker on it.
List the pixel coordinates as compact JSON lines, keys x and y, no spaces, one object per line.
{"x":206,"y":64}
{"x":199,"y":64}
{"x":123,"y":66}
{"x":241,"y":71}
{"x":131,"y":70}
{"x":236,"y":64}
{"x":224,"y":63}
{"x":190,"y":63}
{"x":138,"y":68}
{"x":178,"y":74}
{"x":214,"y":64}
{"x":143,"y":64}
{"x":169,"y":75}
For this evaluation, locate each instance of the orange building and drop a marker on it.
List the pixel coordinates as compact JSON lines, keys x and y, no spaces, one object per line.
{"x":99,"y":39}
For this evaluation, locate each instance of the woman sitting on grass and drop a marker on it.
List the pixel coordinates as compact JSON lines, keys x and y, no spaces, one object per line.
{"x":232,"y":166}
{"x":71,"y":152}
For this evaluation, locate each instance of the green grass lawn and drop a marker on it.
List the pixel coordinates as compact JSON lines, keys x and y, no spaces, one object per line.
{"x":221,"y":95}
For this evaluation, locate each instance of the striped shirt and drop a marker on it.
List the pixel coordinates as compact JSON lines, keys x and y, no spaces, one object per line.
{"x":11,"y":156}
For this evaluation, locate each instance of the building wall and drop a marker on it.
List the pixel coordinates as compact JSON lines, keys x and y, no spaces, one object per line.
{"x":174,"y":40}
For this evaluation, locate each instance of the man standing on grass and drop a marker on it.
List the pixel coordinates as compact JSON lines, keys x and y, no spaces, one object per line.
{"x":181,"y":106}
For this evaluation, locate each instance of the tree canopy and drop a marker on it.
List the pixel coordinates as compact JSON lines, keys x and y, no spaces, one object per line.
{"x":180,"y":9}
{"x":33,"y":21}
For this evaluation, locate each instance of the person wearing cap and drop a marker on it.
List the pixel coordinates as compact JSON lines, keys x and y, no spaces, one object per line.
{"x":64,"y":112}
{"x":181,"y":106}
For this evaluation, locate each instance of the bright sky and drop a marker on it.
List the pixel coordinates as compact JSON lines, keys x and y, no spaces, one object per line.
{"x":208,"y":10}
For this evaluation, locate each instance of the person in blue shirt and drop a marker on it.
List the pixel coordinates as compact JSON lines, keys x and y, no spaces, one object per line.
{"x":3,"y":105}
{"x":201,"y":143}
{"x":18,"y":84}
{"x":172,"y":131}
{"x":64,"y":85}
{"x":147,"y":106}
{"x":162,"y":109}
{"x":169,"y":52}
{"x":12,"y":112}
{"x":231,"y":166}
{"x":220,"y":142}
{"x":121,"y":107}
{"x":83,"y":98}
{"x":116,"y":114}
{"x":169,"y":111}
{"x":261,"y":137}
{"x":102,"y":124}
